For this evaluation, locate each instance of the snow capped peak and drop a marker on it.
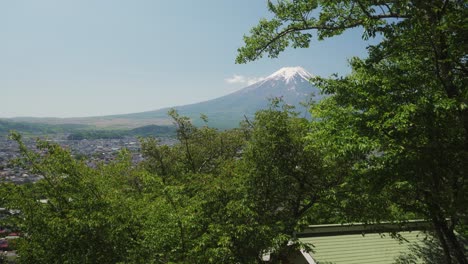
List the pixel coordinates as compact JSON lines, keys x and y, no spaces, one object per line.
{"x":289,"y":73}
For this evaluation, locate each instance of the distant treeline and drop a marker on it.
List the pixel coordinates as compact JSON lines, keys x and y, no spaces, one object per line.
{"x":37,"y":129}
{"x":145,"y":131}
{"x":79,"y":131}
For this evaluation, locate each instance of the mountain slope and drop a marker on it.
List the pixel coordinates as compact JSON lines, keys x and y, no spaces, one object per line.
{"x":291,"y":84}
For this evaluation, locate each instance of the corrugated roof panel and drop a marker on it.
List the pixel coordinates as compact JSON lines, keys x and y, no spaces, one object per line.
{"x":358,"y":248}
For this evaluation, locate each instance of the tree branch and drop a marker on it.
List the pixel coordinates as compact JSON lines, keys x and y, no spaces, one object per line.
{"x":290,"y":30}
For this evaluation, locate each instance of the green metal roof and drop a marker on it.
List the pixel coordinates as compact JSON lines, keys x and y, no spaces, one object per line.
{"x":349,"y":244}
{"x":369,"y":248}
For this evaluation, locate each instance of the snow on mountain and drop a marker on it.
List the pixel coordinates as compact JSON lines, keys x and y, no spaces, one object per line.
{"x":289,"y":73}
{"x":289,"y":83}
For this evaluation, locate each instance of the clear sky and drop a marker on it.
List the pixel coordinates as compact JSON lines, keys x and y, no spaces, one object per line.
{"x":70,"y":58}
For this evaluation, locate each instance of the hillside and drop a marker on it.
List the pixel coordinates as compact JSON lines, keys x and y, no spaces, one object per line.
{"x":37,"y":128}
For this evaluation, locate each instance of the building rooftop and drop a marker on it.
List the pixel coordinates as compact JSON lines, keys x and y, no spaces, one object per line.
{"x":362,"y":243}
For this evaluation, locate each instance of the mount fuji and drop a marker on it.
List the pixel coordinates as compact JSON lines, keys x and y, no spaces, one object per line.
{"x":290,"y":83}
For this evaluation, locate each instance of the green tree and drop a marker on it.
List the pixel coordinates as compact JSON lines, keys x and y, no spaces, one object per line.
{"x":406,"y":104}
{"x":196,"y":212}
{"x":285,"y":180}
{"x":229,"y":197}
{"x":183,"y":204}
{"x":76,"y":214}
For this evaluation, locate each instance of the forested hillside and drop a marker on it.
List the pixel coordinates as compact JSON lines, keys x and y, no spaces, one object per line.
{"x":36,"y":128}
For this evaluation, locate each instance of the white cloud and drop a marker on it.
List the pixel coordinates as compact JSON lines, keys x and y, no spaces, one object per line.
{"x":240,"y":79}
{"x":235,"y":79}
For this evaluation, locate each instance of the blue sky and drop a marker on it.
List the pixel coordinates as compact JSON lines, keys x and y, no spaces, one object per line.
{"x":69,"y":58}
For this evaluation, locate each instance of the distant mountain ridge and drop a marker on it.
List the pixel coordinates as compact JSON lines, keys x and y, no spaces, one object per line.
{"x":290,"y":83}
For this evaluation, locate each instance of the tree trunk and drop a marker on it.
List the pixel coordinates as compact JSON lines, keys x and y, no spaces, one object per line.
{"x":449,"y":241}
{"x":443,"y":242}
{"x":457,"y":248}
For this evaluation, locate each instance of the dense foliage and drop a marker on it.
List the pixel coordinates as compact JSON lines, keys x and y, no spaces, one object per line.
{"x":214,"y":197}
{"x":401,"y":116}
{"x":389,"y":143}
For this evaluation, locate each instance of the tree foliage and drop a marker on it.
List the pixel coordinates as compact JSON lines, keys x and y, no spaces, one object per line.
{"x":76,"y":214}
{"x":389,"y":143}
{"x":285,"y":181}
{"x":213,"y":197}
{"x":402,"y":113}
